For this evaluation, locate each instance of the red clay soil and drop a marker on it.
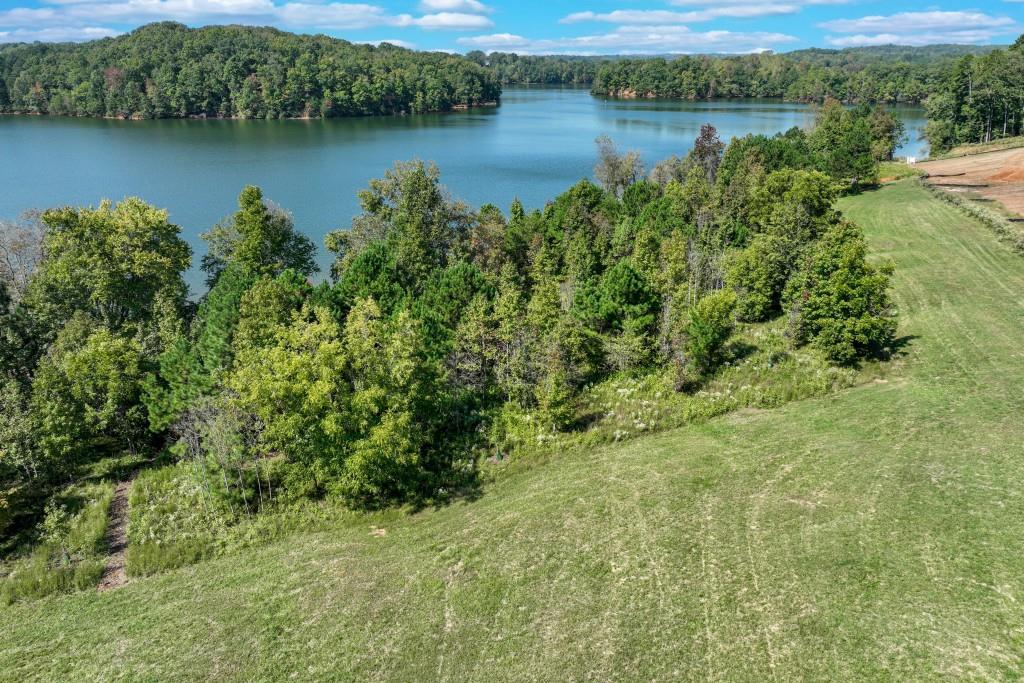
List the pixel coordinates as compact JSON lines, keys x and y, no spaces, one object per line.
{"x":998,"y":176}
{"x":1009,"y":175}
{"x":114,"y":575}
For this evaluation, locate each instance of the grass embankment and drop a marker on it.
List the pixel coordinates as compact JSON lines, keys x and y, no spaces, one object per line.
{"x":981,"y":148}
{"x":59,"y":544}
{"x":70,"y":553}
{"x":174,"y":521}
{"x":872,"y":534}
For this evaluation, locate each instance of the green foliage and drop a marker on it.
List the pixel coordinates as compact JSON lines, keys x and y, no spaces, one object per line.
{"x":887,"y":132}
{"x":616,"y":171}
{"x":86,"y":388}
{"x":978,"y":101}
{"x":259,"y":238}
{"x":876,"y":74}
{"x":218,"y":318}
{"x":512,"y":68}
{"x":295,"y":388}
{"x":70,"y":554}
{"x":445,"y":298}
{"x":627,"y":299}
{"x":410,"y":211}
{"x":180,"y":380}
{"x":794,"y":205}
{"x":843,"y":146}
{"x":80,"y":271}
{"x":444,"y":334}
{"x":639,"y":195}
{"x":758,"y":276}
{"x":794,"y":482}
{"x":268,"y":303}
{"x":709,"y":326}
{"x":370,"y":274}
{"x":166,"y":70}
{"x":839,"y":302}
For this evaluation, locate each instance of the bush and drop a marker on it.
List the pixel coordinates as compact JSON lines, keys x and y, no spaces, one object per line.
{"x":710,"y":324}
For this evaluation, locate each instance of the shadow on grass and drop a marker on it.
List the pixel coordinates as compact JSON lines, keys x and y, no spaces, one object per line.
{"x":897,"y":348}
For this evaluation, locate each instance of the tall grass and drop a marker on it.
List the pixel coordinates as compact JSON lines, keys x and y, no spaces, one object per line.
{"x":176,"y":519}
{"x":981,"y":148}
{"x":761,"y":370}
{"x":71,"y":552}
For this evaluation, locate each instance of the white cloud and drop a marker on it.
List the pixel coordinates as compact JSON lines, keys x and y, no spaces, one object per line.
{"x":914,"y":39}
{"x":470,"y":6}
{"x":919,"y":21}
{"x":64,"y":16}
{"x":635,"y":40}
{"x":56,"y":34}
{"x":452,"y":21}
{"x":727,"y":3}
{"x":654,"y":17}
{"x":495,"y":41}
{"x":330,"y":16}
{"x":920,"y":28}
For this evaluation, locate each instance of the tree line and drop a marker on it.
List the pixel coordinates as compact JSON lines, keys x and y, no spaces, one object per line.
{"x":442,"y":332}
{"x":888,"y":74}
{"x":167,"y":70}
{"x":980,"y":100}
{"x":514,"y":69}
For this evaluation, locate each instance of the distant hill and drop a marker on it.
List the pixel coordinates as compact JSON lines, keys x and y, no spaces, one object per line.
{"x":511,"y":68}
{"x":167,"y":70}
{"x":905,"y":53}
{"x":888,"y":73}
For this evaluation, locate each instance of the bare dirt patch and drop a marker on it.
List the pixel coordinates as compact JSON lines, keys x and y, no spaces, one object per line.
{"x":996,"y":176}
{"x":114,"y":575}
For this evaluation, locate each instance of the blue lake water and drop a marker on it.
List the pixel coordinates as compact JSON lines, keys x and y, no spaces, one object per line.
{"x":534,"y":146}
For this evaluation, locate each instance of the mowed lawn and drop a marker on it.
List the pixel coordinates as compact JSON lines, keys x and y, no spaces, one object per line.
{"x":875,"y":534}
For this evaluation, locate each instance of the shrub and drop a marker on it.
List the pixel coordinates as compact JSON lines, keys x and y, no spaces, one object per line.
{"x":710,"y":324}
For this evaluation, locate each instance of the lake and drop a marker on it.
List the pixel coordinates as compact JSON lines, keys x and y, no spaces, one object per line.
{"x":534,"y":146}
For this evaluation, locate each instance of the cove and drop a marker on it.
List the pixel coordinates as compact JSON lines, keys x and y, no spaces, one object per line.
{"x":534,"y":146}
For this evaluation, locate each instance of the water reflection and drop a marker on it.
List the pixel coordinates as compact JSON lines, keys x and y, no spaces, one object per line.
{"x":536,"y":144}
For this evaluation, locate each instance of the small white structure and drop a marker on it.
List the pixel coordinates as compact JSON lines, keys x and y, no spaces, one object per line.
{"x":911,"y":161}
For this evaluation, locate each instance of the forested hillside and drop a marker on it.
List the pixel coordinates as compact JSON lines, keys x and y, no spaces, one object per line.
{"x":512,"y":69}
{"x":981,"y":100}
{"x":167,"y":70}
{"x":887,"y":74}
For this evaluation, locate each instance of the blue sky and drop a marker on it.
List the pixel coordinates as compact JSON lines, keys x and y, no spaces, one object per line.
{"x":552,"y":26}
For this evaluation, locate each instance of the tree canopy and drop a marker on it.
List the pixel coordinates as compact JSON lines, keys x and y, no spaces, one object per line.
{"x":442,"y":331}
{"x":166,"y":70}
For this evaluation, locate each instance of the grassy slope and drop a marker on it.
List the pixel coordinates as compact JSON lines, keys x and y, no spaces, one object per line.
{"x":981,"y":148}
{"x":871,"y":534}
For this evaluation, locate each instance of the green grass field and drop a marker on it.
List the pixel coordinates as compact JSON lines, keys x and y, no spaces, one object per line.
{"x":872,"y":534}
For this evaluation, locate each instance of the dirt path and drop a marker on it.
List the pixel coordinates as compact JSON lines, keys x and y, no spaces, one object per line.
{"x":114,"y":575}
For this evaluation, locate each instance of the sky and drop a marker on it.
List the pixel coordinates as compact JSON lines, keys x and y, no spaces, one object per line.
{"x":548,"y":26}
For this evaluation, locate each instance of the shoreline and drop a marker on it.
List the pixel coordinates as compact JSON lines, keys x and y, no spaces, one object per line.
{"x":203,"y":117}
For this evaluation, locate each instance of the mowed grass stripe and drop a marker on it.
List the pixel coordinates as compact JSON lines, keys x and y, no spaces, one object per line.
{"x":869,"y":535}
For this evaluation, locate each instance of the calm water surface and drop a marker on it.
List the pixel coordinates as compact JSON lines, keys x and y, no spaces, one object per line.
{"x":534,"y":146}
